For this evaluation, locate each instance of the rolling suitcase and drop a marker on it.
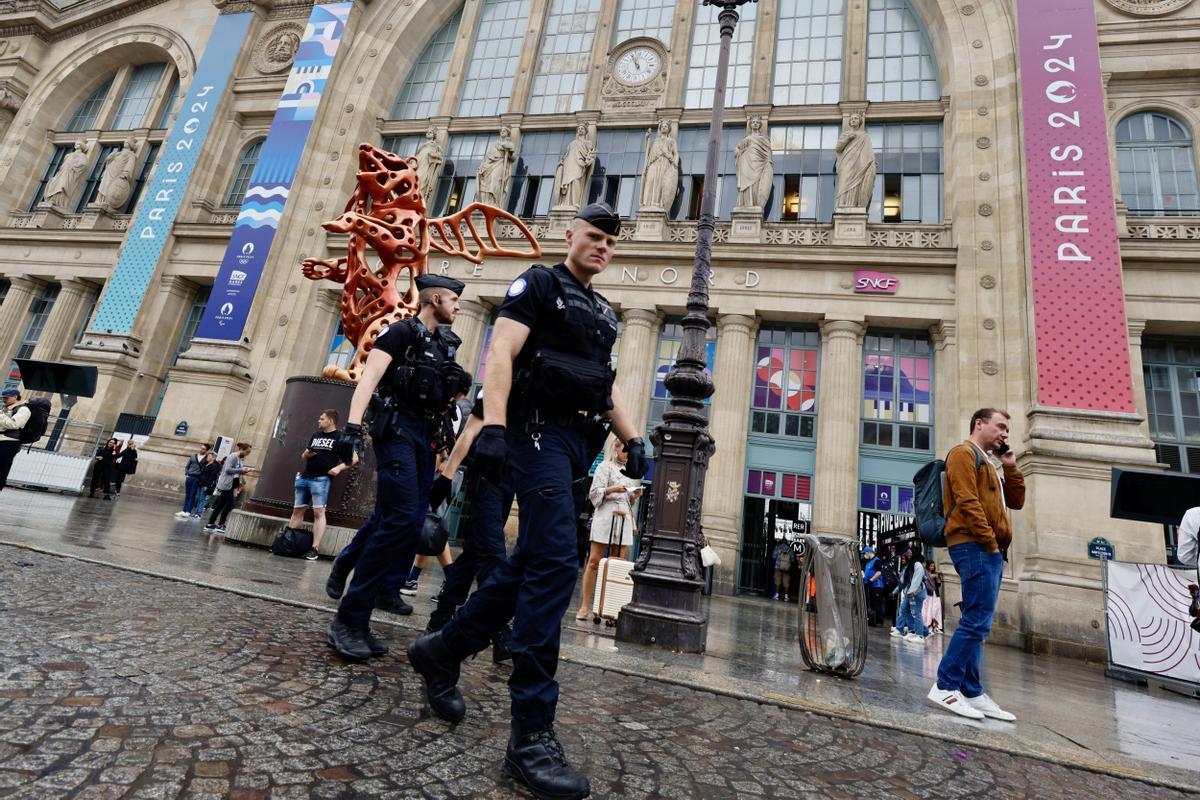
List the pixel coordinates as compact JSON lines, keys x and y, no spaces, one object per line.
{"x":614,"y":582}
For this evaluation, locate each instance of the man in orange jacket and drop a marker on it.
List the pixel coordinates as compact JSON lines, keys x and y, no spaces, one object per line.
{"x":983,"y":484}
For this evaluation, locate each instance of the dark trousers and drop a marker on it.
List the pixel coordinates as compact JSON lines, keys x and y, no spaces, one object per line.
{"x":222,"y":506}
{"x":8,"y":451}
{"x":389,"y":538}
{"x":347,"y":560}
{"x":101,"y":478}
{"x":483,"y":550}
{"x":193,"y":490}
{"x":533,"y":587}
{"x":876,"y":604}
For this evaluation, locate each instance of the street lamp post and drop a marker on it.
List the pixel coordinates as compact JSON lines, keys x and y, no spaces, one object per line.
{"x":665,"y":609}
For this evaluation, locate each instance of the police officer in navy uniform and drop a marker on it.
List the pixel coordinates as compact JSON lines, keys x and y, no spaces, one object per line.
{"x":549,"y":388}
{"x":408,"y":382}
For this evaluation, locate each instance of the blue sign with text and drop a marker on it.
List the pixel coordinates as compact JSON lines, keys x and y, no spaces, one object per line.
{"x":159,"y":205}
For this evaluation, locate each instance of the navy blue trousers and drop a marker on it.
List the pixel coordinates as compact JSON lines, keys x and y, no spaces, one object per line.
{"x":533,"y":587}
{"x":486,"y":511}
{"x":386,"y":544}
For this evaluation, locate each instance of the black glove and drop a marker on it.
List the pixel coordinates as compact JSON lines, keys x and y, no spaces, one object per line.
{"x":636,"y":465}
{"x":352,"y":439}
{"x":439,"y":492}
{"x":491,"y":451}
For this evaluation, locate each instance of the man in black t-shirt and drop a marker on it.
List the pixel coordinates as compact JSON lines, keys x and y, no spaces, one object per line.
{"x":324,"y":458}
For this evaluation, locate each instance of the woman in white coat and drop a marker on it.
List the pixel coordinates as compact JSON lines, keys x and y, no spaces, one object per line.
{"x":612,"y":495}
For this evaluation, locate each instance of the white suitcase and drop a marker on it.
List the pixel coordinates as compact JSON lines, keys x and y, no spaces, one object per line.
{"x":614,"y":582}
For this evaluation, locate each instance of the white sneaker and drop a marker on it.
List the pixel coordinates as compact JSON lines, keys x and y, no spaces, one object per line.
{"x":182,"y":514}
{"x":912,"y":637}
{"x":987,"y":706}
{"x":896,"y":632}
{"x":954,"y":702}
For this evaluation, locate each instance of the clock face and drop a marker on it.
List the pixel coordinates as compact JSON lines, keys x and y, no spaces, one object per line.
{"x":637,"y":66}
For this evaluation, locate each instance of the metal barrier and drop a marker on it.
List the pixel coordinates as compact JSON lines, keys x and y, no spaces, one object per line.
{"x":60,"y":460}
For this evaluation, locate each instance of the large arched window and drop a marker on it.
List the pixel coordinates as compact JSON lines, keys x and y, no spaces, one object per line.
{"x":644,"y":18}
{"x":493,"y":63}
{"x":427,"y":81}
{"x":1157,"y":163}
{"x":900,"y":63}
{"x":241,"y":178}
{"x":808,"y":52}
{"x":706,"y":49}
{"x":560,"y":77}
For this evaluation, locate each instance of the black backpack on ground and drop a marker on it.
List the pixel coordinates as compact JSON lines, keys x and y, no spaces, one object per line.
{"x":39,"y":420}
{"x":292,"y":542}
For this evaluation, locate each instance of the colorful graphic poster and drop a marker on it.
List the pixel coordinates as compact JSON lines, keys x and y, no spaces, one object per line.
{"x":254,"y":233}
{"x":1148,"y":623}
{"x":1082,"y":339}
{"x":159,"y":206}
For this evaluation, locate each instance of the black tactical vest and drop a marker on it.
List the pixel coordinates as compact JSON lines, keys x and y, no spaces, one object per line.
{"x":421,"y":379}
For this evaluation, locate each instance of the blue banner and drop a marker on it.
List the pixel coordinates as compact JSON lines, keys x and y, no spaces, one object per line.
{"x":254,"y":233}
{"x":148,"y":233}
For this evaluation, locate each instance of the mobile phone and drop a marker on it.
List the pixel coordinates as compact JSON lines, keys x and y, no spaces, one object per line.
{"x":1002,"y":449}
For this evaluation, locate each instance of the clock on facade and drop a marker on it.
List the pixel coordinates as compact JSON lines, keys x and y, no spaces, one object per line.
{"x":638,"y":66}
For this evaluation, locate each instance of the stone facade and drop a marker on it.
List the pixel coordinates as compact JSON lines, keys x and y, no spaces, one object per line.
{"x":963,"y":279}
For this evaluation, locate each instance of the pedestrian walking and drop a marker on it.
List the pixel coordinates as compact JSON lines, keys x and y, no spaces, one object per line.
{"x":983,"y":483}
{"x":126,"y":464}
{"x":228,"y":484}
{"x":931,"y":611}
{"x":782,"y":559}
{"x":873,"y":580}
{"x":210,"y":473}
{"x":912,"y":599}
{"x":192,"y":483}
{"x":548,"y":385}
{"x":412,"y":370}
{"x":899,"y":566}
{"x":324,"y":459}
{"x":103,"y":464}
{"x":613,"y":495}
{"x":13,"y":421}
{"x":444,"y":559}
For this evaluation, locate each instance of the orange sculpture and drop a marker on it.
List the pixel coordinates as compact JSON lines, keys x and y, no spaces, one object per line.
{"x":387,"y":214}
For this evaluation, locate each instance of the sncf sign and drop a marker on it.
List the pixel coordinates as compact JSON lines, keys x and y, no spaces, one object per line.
{"x":867,"y":282}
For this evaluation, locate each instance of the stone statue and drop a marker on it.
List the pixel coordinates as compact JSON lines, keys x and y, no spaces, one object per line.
{"x":755,"y":167}
{"x":63,"y":188}
{"x":282,"y":49}
{"x":430,"y":156}
{"x":116,"y":185}
{"x":661,"y":180}
{"x":855,"y":166}
{"x":574,"y":172}
{"x":496,"y":170}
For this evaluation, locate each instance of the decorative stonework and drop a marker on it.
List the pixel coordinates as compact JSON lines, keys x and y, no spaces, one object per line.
{"x":986,"y":245}
{"x":276,"y":49}
{"x":1147,"y":8}
{"x":981,"y":80}
{"x":625,"y":85}
{"x":986,"y":210}
{"x":1169,"y":230}
{"x":988,"y":282}
{"x":989,"y":324}
{"x":983,"y":143}
{"x":989,"y":368}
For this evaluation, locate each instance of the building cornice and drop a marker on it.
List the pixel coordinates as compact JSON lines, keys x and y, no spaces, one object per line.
{"x":41,"y":19}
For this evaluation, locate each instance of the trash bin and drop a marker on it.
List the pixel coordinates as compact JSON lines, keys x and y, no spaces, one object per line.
{"x":833,"y":607}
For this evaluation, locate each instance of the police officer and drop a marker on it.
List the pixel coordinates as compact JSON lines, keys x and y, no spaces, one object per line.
{"x":548,"y":385}
{"x":409,"y":381}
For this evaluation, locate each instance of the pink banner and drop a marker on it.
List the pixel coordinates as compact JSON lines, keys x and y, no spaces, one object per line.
{"x":1082,"y":339}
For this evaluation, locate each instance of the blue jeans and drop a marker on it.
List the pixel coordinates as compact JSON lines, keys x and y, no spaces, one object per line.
{"x":311,"y":491}
{"x":979,"y":572}
{"x":534,"y":586}
{"x":192,"y":490}
{"x":388,"y":539}
{"x":910,"y":613}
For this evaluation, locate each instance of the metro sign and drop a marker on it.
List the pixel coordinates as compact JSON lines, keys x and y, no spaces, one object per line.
{"x":868,"y":282}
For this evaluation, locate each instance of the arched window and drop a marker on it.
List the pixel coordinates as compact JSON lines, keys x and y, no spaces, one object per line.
{"x":241,"y":178}
{"x":560,"y":77}
{"x":706,"y":48}
{"x":808,"y":52}
{"x":139,"y":94}
{"x":644,"y":18}
{"x":85,"y":116}
{"x":493,"y":63}
{"x":1157,"y":165}
{"x":900,"y":62}
{"x":427,"y":81}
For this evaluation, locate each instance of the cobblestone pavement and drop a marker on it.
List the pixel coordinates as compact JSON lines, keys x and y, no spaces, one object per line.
{"x":115,"y":684}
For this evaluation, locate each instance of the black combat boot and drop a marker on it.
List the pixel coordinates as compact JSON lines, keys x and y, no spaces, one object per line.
{"x":335,"y":586}
{"x":536,"y":759}
{"x":438,"y":667}
{"x":348,"y":642}
{"x":378,"y":646}
{"x":502,"y":645}
{"x":440,"y":616}
{"x":393,"y":604}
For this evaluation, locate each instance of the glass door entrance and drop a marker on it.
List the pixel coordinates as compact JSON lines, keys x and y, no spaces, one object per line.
{"x":776,"y":510}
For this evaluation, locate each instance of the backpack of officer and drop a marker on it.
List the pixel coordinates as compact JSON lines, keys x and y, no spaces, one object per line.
{"x":549,"y":389}
{"x":409,"y":382}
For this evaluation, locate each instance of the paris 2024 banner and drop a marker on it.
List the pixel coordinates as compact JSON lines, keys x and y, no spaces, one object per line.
{"x":1080,"y":330}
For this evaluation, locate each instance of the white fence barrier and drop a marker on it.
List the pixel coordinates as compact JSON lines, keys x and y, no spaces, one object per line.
{"x":1149,"y":629}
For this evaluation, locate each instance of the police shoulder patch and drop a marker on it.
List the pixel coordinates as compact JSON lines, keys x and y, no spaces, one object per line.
{"x":517,"y":287}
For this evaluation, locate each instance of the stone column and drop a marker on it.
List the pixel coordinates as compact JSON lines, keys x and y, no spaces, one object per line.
{"x":762,"y":71}
{"x":470,"y":325}
{"x":835,"y":482}
{"x":730,"y":425}
{"x":681,"y":48}
{"x":601,"y":43}
{"x":854,"y":64}
{"x":635,"y":362}
{"x":1136,"y":328}
{"x":14,"y":315}
{"x":58,"y":336}
{"x":459,"y":57}
{"x":949,"y":428}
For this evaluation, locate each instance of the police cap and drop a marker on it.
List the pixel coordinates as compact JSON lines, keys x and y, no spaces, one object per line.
{"x":602,"y":216}
{"x":439,"y":282}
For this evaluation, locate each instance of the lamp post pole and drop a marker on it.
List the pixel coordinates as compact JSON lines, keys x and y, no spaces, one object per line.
{"x":665,"y":609}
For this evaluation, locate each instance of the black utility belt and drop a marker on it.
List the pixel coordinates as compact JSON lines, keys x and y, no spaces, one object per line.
{"x":578,"y":421}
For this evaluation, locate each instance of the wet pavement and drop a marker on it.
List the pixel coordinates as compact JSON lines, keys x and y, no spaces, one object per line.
{"x":277,"y":716}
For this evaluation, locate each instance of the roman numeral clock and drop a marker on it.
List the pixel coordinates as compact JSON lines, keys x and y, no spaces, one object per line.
{"x":636,"y":77}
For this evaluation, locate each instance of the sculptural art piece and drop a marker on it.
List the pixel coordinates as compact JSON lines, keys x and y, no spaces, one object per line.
{"x":755,"y":166}
{"x":116,"y":185}
{"x":430,"y":156}
{"x":574,"y":172}
{"x":496,"y":170}
{"x":855,"y":166}
{"x":661,"y":181}
{"x":64,"y":186}
{"x":387,"y":214}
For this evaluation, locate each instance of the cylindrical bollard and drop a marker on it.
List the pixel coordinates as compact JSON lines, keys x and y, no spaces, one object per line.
{"x":833,"y":607}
